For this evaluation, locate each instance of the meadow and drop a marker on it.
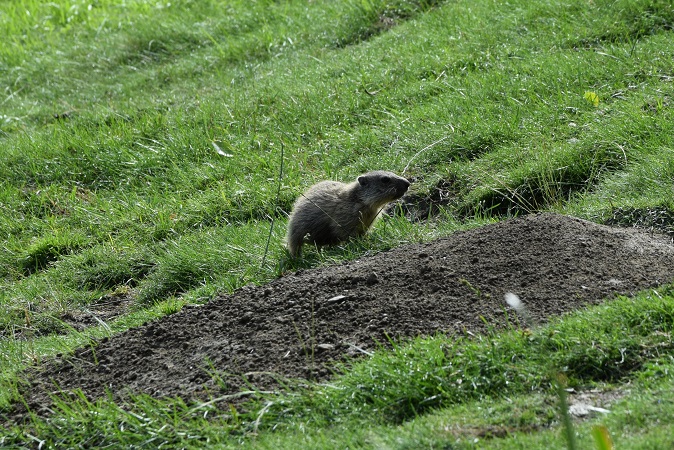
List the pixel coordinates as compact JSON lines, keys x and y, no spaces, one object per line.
{"x":141,"y":147}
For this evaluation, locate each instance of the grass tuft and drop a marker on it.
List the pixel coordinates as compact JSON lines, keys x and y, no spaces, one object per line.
{"x":47,"y":250}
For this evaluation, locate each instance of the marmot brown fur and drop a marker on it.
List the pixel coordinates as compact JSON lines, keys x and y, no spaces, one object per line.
{"x":331,"y":212}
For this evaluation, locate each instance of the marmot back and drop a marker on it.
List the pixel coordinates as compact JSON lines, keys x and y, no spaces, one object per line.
{"x":331,"y":212}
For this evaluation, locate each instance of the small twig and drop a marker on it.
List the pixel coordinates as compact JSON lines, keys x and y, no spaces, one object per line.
{"x":11,"y":96}
{"x":278,"y":194}
{"x":97,"y":319}
{"x":256,"y":424}
{"x":373,"y":93}
{"x":360,"y":349}
{"x":559,"y":380}
{"x":227,"y":397}
{"x":423,"y":150}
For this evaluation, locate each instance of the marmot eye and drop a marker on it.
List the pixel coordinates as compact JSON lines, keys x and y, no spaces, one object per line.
{"x":386,"y":180}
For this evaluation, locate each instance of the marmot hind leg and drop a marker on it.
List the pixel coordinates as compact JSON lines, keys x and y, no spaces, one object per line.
{"x":294,"y":242}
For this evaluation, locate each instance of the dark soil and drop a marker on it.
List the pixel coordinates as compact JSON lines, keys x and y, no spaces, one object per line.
{"x":298,"y":325}
{"x":107,"y":308}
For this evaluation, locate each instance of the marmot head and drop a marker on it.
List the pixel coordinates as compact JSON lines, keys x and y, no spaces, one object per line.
{"x":380,"y":187}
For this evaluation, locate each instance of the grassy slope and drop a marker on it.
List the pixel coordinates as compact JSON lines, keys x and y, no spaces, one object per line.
{"x":140,"y":143}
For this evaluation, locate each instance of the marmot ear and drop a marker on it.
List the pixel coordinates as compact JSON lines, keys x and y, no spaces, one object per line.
{"x":362,"y":180}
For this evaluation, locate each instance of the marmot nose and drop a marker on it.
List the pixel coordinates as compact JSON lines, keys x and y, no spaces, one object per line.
{"x":402,"y":187}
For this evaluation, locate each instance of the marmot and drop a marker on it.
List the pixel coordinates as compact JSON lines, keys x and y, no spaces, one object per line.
{"x":331,"y":212}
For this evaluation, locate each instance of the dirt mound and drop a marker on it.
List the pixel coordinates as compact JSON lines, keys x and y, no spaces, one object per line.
{"x":295,"y":326}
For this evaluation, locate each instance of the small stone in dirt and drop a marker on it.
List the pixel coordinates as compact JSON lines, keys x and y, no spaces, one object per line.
{"x":193,"y":305}
{"x":324,"y":347}
{"x":336,"y":298}
{"x":372,"y":279}
{"x":582,"y":409}
{"x":246,"y":317}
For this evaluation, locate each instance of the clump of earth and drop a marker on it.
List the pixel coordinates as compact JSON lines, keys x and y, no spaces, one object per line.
{"x":299,"y":325}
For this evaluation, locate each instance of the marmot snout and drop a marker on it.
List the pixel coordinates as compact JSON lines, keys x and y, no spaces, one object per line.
{"x":331,"y":212}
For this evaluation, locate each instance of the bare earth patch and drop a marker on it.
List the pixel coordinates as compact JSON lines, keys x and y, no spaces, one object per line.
{"x":298,"y":325}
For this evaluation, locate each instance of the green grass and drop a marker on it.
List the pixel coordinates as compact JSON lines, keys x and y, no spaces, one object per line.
{"x":140,"y":143}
